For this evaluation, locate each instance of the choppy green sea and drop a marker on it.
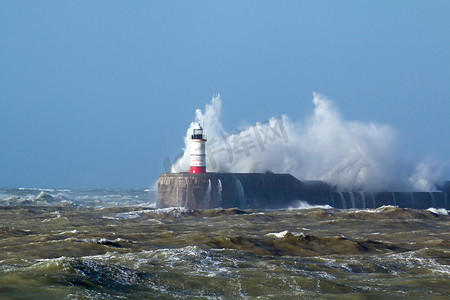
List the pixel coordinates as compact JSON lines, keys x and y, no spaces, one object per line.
{"x":114,"y":244}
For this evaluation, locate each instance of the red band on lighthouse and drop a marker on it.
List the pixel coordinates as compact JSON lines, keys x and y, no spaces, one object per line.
{"x":197,"y":170}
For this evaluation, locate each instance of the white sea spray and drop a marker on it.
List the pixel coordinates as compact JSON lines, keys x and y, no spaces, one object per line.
{"x":325,"y":146}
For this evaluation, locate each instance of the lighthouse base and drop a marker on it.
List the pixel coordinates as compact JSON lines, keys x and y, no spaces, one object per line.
{"x":197,"y":170}
{"x":243,"y":190}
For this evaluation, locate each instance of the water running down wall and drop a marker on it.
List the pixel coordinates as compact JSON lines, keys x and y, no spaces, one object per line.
{"x":271,"y":191}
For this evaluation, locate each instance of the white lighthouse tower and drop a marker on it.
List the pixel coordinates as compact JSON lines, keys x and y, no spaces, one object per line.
{"x":198,"y":153}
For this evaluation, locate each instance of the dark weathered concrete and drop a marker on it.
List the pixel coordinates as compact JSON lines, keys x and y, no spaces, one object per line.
{"x":227,"y":190}
{"x":254,"y":190}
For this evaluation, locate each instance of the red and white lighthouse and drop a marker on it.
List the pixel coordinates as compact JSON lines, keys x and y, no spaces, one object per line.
{"x":198,"y":153}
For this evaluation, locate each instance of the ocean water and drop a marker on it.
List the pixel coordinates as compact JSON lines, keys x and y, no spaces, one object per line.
{"x":114,"y":244}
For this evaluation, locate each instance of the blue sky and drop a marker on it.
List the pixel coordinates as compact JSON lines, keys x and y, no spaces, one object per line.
{"x":99,"y":93}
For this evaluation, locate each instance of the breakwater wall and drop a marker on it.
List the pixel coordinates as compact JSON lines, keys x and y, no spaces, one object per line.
{"x":271,"y":191}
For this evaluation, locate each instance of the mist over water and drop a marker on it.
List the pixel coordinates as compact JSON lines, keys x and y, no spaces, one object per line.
{"x":353,"y":155}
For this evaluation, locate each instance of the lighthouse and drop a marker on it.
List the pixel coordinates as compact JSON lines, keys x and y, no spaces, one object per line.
{"x":198,"y":153}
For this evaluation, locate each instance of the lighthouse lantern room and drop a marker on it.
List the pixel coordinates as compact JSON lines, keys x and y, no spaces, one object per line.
{"x":198,"y":153}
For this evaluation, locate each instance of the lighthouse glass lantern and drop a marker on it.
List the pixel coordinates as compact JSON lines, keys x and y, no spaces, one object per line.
{"x":198,"y":153}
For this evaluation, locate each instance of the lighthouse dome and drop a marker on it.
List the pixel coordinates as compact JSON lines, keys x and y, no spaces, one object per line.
{"x":198,"y":132}
{"x":197,"y":126}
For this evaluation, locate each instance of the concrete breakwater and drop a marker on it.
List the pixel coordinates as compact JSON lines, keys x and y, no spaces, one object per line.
{"x":269,"y":191}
